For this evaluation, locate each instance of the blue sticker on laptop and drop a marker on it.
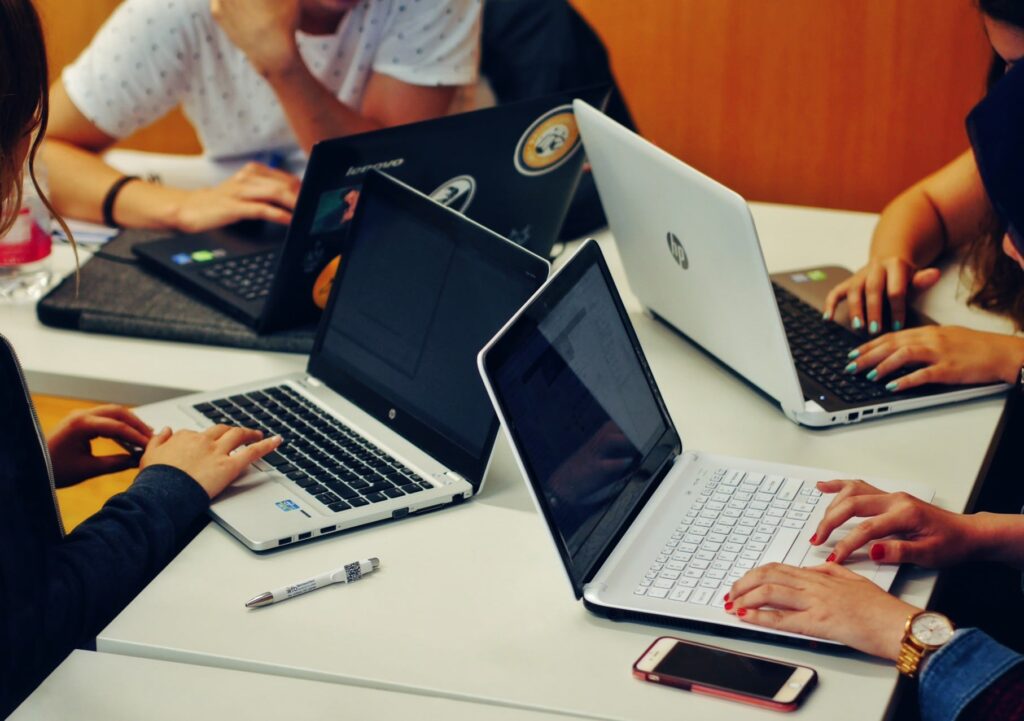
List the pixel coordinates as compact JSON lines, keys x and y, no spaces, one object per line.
{"x":288,"y":505}
{"x":181,"y":259}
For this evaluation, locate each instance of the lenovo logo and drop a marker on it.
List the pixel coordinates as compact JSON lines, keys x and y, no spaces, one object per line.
{"x":675,"y":247}
{"x":384,"y":165}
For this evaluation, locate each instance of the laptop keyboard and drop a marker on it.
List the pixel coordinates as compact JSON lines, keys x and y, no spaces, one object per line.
{"x":247,"y":276}
{"x":739,"y":520}
{"x":322,"y":456}
{"x":820,"y":350}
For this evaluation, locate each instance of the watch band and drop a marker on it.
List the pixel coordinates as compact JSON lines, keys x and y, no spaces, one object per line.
{"x":111,"y":196}
{"x":912,"y":651}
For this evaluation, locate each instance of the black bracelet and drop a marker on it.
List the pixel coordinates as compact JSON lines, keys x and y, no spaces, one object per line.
{"x":111,"y":197}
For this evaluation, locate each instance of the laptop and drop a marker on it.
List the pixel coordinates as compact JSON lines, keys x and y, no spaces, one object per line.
{"x":646,"y":529}
{"x":512,"y":168}
{"x":390,"y":417}
{"x":692,"y":256}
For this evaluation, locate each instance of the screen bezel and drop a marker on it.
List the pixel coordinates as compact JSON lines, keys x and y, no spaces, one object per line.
{"x":786,"y":695}
{"x":461,"y":230}
{"x":658,"y":459}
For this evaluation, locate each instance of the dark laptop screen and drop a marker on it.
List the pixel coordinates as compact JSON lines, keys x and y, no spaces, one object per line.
{"x":582,"y":410}
{"x":421,"y":291}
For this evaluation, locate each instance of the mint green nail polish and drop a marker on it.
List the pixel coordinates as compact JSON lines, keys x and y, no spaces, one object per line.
{"x":853,"y":354}
{"x":826,"y":316}
{"x":897,"y":325}
{"x":872,"y":375}
{"x":892,"y":386}
{"x":852,"y":368}
{"x":873,"y":328}
{"x":857,"y":323}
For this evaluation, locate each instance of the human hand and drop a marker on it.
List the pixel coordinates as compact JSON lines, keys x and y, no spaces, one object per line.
{"x":256,"y":192}
{"x":263,"y":29}
{"x":931,"y":536}
{"x":214,"y":457}
{"x":947,"y":354}
{"x":880,"y":280}
{"x":70,"y":444}
{"x":826,"y":601}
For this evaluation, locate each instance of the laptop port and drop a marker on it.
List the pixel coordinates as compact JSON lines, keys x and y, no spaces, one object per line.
{"x":304,"y":536}
{"x":883,"y":409}
{"x":401,"y":512}
{"x":328,"y":529}
{"x":284,"y":541}
{"x":853,"y":416}
{"x":869,"y":412}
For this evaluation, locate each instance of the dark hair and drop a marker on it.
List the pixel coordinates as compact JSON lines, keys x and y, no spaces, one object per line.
{"x":24,"y":103}
{"x":996,"y":278}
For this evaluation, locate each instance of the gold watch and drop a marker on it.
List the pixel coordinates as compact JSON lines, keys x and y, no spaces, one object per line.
{"x":925,"y":633}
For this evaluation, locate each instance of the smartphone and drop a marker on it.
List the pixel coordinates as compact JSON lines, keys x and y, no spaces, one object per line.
{"x":727,"y":674}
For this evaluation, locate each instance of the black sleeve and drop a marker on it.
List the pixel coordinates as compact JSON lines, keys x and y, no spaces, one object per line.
{"x":87,"y":578}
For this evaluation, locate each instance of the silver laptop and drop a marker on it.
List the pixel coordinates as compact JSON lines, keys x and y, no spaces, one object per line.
{"x":390,"y":417}
{"x":645,"y":527}
{"x":692,"y":256}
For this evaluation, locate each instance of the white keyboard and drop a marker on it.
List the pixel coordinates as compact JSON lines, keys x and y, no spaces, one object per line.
{"x":739,"y":520}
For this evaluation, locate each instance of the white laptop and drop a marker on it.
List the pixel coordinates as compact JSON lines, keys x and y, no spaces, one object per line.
{"x":390,"y":417}
{"x":691,"y":253}
{"x":646,"y":528}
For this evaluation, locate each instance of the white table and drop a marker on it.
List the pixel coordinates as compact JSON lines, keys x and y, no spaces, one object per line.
{"x":106,"y":687}
{"x":475,"y":596}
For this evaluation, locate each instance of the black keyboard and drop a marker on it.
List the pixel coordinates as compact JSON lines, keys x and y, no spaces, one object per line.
{"x":321,"y":455}
{"x":821,"y":351}
{"x":248,"y":276}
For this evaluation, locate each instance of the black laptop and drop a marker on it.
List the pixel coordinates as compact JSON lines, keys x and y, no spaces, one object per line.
{"x":512,"y":168}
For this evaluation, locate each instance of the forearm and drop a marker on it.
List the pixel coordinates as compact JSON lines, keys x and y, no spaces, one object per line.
{"x":910,"y":228}
{"x":79,"y":181}
{"x":313,"y":112}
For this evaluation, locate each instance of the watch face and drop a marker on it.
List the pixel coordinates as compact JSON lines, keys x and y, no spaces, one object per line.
{"x":932,"y":629}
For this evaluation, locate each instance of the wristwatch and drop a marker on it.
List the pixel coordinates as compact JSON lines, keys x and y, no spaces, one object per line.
{"x":926,"y":632}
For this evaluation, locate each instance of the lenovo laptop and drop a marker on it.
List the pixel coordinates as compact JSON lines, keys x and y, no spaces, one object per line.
{"x":512,"y":168}
{"x":692,"y":256}
{"x":645,"y":527}
{"x":390,"y":417}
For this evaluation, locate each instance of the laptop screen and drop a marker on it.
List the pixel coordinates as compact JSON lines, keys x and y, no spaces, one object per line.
{"x":421,"y":291}
{"x":581,"y":407}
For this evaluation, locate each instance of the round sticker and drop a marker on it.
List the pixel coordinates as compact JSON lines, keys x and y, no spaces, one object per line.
{"x":457,"y":193}
{"x":548,"y":142}
{"x":324,"y":281}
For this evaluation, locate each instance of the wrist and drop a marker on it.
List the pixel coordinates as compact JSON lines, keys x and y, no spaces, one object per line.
{"x":891,"y":629}
{"x":281,"y":63}
{"x":1014,"y":360}
{"x":991,"y":535}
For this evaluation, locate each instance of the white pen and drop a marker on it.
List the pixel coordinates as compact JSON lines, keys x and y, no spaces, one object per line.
{"x":346,"y":574}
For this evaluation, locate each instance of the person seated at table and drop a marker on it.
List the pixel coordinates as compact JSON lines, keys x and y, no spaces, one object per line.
{"x":253,"y":77}
{"x":58,"y":591}
{"x":970,"y":676}
{"x":971,"y":206}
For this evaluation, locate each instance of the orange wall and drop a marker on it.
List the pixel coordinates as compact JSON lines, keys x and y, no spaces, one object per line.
{"x":837,"y":103}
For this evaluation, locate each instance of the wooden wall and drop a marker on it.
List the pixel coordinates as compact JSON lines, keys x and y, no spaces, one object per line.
{"x":837,"y":103}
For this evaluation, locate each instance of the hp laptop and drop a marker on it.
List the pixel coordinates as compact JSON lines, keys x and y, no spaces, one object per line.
{"x":645,"y":527}
{"x":692,"y":256}
{"x":512,"y":168}
{"x":390,"y":417}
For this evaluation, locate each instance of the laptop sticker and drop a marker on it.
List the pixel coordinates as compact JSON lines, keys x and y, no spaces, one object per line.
{"x":817,"y":275}
{"x":324,"y":281}
{"x":335,"y":209}
{"x":456,"y":193}
{"x":549,"y":141}
{"x":287,"y":505}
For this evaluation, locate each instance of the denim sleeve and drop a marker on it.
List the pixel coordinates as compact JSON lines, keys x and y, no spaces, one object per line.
{"x":961,"y":670}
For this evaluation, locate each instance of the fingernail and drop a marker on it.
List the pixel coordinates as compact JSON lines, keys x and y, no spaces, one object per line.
{"x":831,"y":558}
{"x":742,"y":612}
{"x":857,"y":323}
{"x":872,"y":375}
{"x":853,"y":354}
{"x":852,"y":368}
{"x":165,"y":429}
{"x":728,"y":606}
{"x":826,"y":316}
{"x":873,"y":328}
{"x":814,"y":538}
{"x":877,"y":552}
{"x":897,"y":325}
{"x":725,"y":597}
{"x":892,"y":386}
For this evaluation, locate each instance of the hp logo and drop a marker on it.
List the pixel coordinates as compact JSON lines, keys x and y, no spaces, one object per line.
{"x":675,"y":247}
{"x":392,"y":414}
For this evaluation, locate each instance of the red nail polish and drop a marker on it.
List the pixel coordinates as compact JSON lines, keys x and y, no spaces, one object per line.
{"x":725,"y":597}
{"x":728,"y":606}
{"x":831,"y":558}
{"x":877,"y":552}
{"x":814,"y":538}
{"x":742,"y":612}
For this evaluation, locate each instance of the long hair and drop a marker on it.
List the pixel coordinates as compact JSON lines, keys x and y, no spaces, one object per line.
{"x":24,"y":105}
{"x":997,"y":284}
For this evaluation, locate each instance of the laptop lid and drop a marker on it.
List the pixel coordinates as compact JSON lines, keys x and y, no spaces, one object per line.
{"x":691,"y":253}
{"x":512,"y":168}
{"x":422,"y":290}
{"x":578,"y":400}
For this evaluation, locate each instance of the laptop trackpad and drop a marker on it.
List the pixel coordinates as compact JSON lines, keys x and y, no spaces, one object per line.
{"x":258,"y":502}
